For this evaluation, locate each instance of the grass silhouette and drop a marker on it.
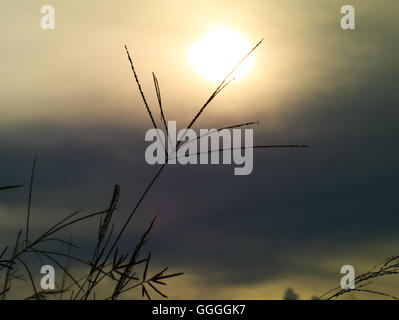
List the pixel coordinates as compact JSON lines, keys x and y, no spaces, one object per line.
{"x":389,"y":266}
{"x":106,"y":263}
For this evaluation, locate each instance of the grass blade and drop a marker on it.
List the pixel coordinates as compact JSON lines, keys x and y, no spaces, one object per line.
{"x":30,"y":200}
{"x":11,"y":187}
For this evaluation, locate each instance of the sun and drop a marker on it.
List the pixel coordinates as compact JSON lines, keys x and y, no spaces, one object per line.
{"x":216,"y":53}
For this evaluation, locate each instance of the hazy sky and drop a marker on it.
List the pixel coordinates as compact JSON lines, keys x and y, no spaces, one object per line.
{"x":69,"y":96}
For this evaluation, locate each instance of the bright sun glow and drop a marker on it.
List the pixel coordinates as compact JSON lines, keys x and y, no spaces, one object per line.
{"x":215,"y":55}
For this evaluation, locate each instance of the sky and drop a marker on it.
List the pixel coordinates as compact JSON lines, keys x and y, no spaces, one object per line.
{"x":69,"y":96}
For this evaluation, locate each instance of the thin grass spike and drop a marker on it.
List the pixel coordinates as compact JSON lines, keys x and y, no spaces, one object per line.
{"x":30,"y":201}
{"x":139,"y":86}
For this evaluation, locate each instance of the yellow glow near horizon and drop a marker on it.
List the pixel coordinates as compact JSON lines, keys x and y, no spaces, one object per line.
{"x":215,"y":54}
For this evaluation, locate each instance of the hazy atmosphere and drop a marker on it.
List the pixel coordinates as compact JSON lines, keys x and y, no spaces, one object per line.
{"x":69,"y":96}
